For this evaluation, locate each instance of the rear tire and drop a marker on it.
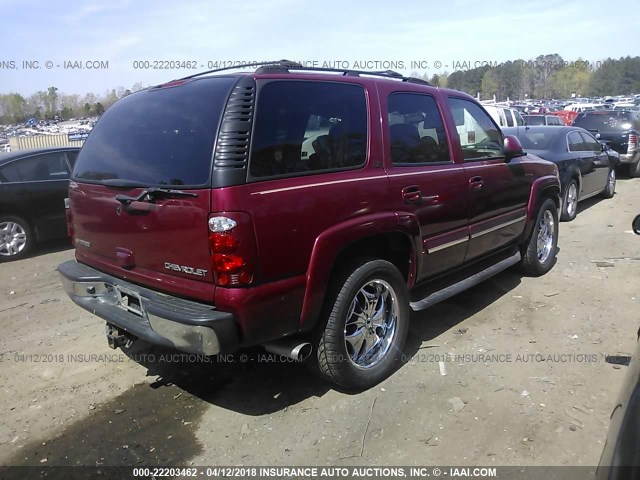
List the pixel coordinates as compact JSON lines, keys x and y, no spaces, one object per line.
{"x":16,"y":238}
{"x":634,"y":169}
{"x":570,"y":201}
{"x":610,"y":189}
{"x":539,"y":254}
{"x":364,"y":328}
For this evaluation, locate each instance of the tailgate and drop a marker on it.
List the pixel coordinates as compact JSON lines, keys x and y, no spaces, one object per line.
{"x":163,"y":245}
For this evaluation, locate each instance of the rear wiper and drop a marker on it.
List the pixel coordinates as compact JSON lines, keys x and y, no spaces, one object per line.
{"x":150,"y":194}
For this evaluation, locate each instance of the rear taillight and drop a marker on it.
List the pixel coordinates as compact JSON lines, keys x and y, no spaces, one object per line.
{"x":633,"y":143}
{"x":71,"y":232}
{"x":233,"y":249}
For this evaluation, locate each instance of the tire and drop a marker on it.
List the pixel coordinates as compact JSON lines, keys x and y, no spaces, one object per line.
{"x":570,"y":201}
{"x":16,"y":238}
{"x":610,"y":189}
{"x":539,"y":253}
{"x":343,"y":357}
{"x":634,"y":169}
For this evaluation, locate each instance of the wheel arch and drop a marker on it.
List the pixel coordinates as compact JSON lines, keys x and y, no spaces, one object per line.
{"x":363,"y":240}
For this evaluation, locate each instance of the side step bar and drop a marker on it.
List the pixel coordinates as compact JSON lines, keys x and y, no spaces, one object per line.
{"x":454,"y":289}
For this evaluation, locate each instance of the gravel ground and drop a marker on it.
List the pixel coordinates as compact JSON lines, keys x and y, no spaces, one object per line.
{"x":512,"y":372}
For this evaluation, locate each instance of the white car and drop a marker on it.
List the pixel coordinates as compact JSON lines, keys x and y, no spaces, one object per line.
{"x":504,"y":116}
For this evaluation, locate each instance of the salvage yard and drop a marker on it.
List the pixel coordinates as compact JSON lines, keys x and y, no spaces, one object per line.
{"x":511,"y":372}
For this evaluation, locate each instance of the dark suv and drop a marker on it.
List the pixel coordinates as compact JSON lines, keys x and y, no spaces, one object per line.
{"x":620,"y":130}
{"x":305,"y":211}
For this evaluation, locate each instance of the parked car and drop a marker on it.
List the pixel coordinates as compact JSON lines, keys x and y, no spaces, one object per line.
{"x":504,"y":116}
{"x":201,"y":224}
{"x":620,"y":458}
{"x":33,"y":188}
{"x":542,"y":120}
{"x":585,"y":167}
{"x":621,"y":131}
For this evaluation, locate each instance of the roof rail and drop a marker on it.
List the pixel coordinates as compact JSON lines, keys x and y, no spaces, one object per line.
{"x":284,"y":66}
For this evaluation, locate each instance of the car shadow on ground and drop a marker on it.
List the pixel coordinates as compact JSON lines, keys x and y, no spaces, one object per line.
{"x":156,"y":423}
{"x":255,"y":382}
{"x":429,"y":324}
{"x":52,"y":246}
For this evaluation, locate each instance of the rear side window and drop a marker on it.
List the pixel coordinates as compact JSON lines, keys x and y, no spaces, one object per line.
{"x":160,"y":136}
{"x":416,"y":131}
{"x":480,"y":139}
{"x":576,"y":143}
{"x":509,"y":118}
{"x":308,"y":127}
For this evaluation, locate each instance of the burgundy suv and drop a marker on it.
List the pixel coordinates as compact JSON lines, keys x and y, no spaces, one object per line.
{"x":305,"y":211}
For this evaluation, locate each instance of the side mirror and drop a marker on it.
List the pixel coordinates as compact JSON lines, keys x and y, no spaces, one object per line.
{"x":512,"y":148}
{"x":636,"y":225}
{"x":604,"y":146}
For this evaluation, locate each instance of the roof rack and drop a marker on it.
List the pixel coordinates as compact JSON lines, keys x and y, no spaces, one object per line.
{"x":285,"y":66}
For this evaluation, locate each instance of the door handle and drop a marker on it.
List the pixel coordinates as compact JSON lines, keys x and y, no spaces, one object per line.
{"x":476,"y":183}
{"x":411,"y":194}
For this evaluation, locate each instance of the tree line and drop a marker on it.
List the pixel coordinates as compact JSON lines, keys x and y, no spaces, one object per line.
{"x":548,"y":76}
{"x":46,"y":105}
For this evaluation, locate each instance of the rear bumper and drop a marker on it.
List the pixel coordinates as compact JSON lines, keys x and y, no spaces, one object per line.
{"x":158,"y":318}
{"x":629,"y":158}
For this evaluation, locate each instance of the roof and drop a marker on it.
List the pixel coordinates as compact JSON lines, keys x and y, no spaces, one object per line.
{"x":7,"y":157}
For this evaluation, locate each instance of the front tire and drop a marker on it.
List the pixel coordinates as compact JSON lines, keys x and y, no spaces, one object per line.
{"x":570,"y":201}
{"x":365,"y":326}
{"x":540,"y":251}
{"x":16,"y":238}
{"x":610,"y":189}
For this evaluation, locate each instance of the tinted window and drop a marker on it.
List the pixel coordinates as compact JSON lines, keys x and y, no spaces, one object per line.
{"x":72,"y":156}
{"x":609,"y":121}
{"x":416,"y":131}
{"x":160,"y":136}
{"x":541,"y":139}
{"x":519,"y":120}
{"x":479,"y":136}
{"x":509,"y":118}
{"x":534,"y":119}
{"x":302,"y":127}
{"x":576,"y":143}
{"x":591,"y":144}
{"x":51,"y":166}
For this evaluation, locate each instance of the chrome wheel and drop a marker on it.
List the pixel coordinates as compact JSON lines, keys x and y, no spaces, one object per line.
{"x":572,"y":199}
{"x":13,"y":239}
{"x":546,"y":231}
{"x":371,"y":323}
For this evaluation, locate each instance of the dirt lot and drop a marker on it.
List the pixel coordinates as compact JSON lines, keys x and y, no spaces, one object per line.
{"x":525,"y":383}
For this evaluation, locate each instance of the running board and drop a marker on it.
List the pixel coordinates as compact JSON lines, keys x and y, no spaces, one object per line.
{"x":454,"y":289}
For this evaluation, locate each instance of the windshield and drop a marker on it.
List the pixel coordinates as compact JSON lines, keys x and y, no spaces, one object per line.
{"x":160,"y":136}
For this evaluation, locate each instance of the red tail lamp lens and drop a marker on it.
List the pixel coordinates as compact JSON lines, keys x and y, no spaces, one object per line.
{"x":227,"y":263}
{"x":223,"y":242}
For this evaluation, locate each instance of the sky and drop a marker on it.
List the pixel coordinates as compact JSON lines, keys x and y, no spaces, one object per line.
{"x":118,"y":38}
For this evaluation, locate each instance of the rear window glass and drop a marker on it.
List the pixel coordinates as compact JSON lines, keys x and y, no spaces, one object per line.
{"x":308,"y":127}
{"x":161,"y":136}
{"x":606,"y":121}
{"x":540,"y":139}
{"x":534,"y":119}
